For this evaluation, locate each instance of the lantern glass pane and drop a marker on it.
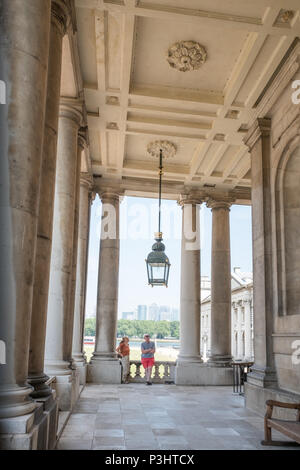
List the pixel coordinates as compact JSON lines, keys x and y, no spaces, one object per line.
{"x":149,"y":273}
{"x":158,"y":272}
{"x":167,"y":273}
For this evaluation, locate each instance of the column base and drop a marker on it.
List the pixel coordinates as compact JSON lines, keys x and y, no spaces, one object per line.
{"x":202,"y":374}
{"x":66,"y":383}
{"x":34,"y":431}
{"x":15,"y":401}
{"x":67,"y":390}
{"x":256,"y":397}
{"x":219,"y":361}
{"x":189,"y":359}
{"x":81,"y":368}
{"x":262,"y":377}
{"x":41,"y":389}
{"x":19,"y":433}
{"x":80,"y":365}
{"x":104,"y":371}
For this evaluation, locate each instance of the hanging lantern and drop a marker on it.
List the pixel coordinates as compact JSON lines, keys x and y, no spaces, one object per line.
{"x":158,"y":264}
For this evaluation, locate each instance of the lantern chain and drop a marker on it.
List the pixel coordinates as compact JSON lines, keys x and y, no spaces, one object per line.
{"x":159,"y":197}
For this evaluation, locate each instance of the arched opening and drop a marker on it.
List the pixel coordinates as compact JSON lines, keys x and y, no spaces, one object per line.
{"x":288,"y":231}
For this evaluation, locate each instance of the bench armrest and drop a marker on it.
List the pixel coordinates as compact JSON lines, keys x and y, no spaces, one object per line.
{"x":280,"y":404}
{"x":271,"y":403}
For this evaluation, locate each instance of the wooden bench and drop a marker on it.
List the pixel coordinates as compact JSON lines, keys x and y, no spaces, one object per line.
{"x":290,"y":429}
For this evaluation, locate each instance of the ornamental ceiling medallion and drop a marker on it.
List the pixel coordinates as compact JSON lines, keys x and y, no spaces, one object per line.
{"x":186,"y":56}
{"x":168,"y":148}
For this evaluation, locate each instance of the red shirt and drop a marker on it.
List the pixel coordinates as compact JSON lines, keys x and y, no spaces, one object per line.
{"x":124,"y":349}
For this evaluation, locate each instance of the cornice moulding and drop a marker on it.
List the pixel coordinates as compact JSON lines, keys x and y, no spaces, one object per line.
{"x":261,"y":127}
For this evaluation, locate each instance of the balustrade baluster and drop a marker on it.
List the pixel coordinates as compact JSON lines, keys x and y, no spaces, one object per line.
{"x":156,"y":371}
{"x":162,"y":372}
{"x":138,"y":370}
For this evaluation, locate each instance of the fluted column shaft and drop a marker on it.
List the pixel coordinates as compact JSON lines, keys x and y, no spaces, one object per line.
{"x":80,"y":291}
{"x":108,"y":278}
{"x":220,"y":284}
{"x":247,"y":307}
{"x":69,"y":335}
{"x":58,"y":348}
{"x":190,"y":294}
{"x":258,"y":140}
{"x":24,"y":44}
{"x":37,"y":377}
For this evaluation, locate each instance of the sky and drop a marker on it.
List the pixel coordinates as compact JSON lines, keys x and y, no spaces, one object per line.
{"x":138,"y":222}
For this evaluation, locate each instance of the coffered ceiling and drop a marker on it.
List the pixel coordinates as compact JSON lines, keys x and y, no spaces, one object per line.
{"x":134,"y":96}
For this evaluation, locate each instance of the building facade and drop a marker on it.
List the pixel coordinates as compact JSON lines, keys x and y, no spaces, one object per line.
{"x":142,"y":312}
{"x":241,"y":318}
{"x":153,"y":312}
{"x":127,"y":315}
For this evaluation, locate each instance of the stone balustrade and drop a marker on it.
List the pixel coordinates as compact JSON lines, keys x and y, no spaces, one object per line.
{"x":162,"y":372}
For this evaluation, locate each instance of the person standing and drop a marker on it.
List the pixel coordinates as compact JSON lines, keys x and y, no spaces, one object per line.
{"x":148,"y":350}
{"x":124,"y":350}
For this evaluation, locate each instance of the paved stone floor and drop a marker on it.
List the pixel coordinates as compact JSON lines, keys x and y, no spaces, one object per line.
{"x":162,"y":417}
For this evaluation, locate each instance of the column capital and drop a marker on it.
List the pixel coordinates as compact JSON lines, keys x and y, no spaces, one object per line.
{"x":216,"y":203}
{"x":260,"y":128}
{"x":86,"y":180}
{"x":190,"y":198}
{"x":109,"y":195}
{"x":82,"y":138}
{"x":92,"y":196}
{"x":68,"y":111}
{"x":61,"y":14}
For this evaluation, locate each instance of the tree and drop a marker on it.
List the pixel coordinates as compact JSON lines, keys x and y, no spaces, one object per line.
{"x":162,"y":329}
{"x":138,"y":328}
{"x":90,"y":327}
{"x":174,"y":329}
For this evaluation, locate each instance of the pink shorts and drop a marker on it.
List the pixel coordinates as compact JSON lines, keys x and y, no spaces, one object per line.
{"x":147,"y":362}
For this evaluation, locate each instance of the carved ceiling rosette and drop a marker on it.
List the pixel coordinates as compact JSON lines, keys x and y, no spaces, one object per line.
{"x":186,"y":56}
{"x":168,"y":148}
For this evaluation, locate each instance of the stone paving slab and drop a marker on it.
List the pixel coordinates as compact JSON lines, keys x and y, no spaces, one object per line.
{"x":162,"y":417}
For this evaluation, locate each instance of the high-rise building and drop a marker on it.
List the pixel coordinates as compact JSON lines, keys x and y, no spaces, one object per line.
{"x":164,"y":313}
{"x":175,"y":314}
{"x":127,"y":315}
{"x":142,"y":312}
{"x":153,"y":312}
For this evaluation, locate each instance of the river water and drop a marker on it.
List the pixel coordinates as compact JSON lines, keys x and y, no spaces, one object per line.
{"x":159,"y":344}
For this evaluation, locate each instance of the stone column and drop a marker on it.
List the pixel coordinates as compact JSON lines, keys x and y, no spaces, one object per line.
{"x":233,"y":307}
{"x":239,"y":331}
{"x":69,"y":335}
{"x":259,"y":142}
{"x":37,"y":377}
{"x":105,"y":367}
{"x":220,"y":284}
{"x":23,"y":65}
{"x":59,"y":318}
{"x":247,"y":307}
{"x":79,"y":360}
{"x":189,"y":359}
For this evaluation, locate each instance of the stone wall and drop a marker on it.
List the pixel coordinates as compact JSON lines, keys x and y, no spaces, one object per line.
{"x":285,"y":197}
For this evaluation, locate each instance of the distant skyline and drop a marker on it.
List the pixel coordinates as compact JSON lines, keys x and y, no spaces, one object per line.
{"x":152,"y":311}
{"x":138,"y":219}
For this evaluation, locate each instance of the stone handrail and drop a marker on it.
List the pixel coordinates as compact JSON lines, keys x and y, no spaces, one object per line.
{"x":162,"y":372}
